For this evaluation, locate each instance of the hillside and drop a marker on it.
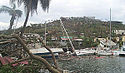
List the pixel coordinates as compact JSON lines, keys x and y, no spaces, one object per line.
{"x":76,"y":26}
{"x":86,"y":28}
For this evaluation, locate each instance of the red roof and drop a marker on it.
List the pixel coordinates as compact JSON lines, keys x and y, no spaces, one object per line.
{"x":2,"y":61}
{"x":6,"y":60}
{"x":64,"y":38}
{"x":24,"y":62}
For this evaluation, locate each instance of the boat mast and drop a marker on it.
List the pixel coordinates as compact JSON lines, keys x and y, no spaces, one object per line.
{"x":110,"y":28}
{"x":45,"y":34}
{"x":73,"y":49}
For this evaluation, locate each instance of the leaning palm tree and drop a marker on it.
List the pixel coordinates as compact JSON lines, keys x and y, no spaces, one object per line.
{"x":15,"y":14}
{"x":30,"y":7}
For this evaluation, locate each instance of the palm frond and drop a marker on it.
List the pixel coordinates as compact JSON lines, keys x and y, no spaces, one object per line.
{"x":33,"y":7}
{"x":34,"y":4}
{"x":6,"y":10}
{"x":18,"y":13}
{"x":45,"y":4}
{"x":19,"y":2}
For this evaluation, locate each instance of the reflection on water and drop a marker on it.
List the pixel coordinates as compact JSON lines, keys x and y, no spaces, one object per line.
{"x":95,"y":65}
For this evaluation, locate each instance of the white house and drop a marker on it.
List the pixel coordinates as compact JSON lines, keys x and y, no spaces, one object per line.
{"x":121,"y":32}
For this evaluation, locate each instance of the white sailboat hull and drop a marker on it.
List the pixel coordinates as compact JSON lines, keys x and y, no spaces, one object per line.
{"x":84,"y":52}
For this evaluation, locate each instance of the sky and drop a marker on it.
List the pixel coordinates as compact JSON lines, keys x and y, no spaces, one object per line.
{"x":69,"y":8}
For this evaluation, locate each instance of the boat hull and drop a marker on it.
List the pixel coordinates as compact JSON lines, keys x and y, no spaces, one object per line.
{"x":44,"y":53}
{"x":105,"y":54}
{"x":47,"y":55}
{"x":122,"y":55}
{"x":84,"y":52}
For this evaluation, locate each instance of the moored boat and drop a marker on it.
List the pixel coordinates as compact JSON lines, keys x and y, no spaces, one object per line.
{"x":104,"y":53}
{"x":43,"y":52}
{"x":83,"y":52}
{"x":120,"y":52}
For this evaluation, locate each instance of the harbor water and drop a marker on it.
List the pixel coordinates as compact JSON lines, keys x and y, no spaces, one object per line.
{"x":94,"y":64}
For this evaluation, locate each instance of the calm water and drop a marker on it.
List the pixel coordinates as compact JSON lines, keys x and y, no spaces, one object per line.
{"x":94,"y":65}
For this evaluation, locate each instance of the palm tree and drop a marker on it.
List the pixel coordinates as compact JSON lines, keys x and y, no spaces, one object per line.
{"x":15,"y":14}
{"x":30,"y":7}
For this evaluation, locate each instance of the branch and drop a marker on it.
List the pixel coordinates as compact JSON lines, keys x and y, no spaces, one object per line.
{"x":49,"y":67}
{"x":53,"y":56}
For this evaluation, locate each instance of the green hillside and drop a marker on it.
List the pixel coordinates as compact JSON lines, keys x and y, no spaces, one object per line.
{"x":86,"y":28}
{"x":76,"y":26}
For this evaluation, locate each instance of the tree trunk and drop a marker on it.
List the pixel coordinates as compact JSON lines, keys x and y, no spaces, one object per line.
{"x":25,"y":23}
{"x":11,"y":22}
{"x":38,"y":58}
{"x":27,"y":17}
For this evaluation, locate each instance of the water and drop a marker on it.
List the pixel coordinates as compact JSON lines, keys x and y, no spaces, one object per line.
{"x":94,"y":65}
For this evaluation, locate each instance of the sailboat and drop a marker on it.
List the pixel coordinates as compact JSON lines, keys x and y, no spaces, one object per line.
{"x":73,"y":48}
{"x":107,"y":51}
{"x":76,"y":52}
{"x":121,"y":51}
{"x":43,"y":52}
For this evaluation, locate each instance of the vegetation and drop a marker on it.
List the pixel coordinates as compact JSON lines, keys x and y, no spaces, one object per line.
{"x":28,"y":55}
{"x":76,"y":27}
{"x":15,"y":14}
{"x":89,"y":42}
{"x":34,"y":66}
{"x":31,"y":7}
{"x":86,"y":28}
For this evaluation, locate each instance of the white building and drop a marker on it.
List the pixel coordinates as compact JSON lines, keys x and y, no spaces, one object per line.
{"x":121,"y":32}
{"x":106,"y":44}
{"x":30,"y":35}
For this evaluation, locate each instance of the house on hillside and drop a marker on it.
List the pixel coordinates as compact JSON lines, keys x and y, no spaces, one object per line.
{"x":28,"y":35}
{"x":54,"y":38}
{"x":120,"y":32}
{"x":64,"y":38}
{"x":123,"y":38}
{"x":116,"y":22}
{"x":106,"y":44}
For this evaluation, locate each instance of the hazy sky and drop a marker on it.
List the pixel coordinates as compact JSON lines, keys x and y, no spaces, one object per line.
{"x":98,"y":8}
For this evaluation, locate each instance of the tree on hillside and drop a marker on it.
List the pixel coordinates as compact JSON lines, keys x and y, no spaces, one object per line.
{"x":31,"y":7}
{"x":15,"y":14}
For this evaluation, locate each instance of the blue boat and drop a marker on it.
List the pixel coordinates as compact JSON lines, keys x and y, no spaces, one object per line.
{"x":44,"y":53}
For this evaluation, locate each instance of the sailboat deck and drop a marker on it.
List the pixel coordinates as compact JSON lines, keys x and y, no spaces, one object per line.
{"x":44,"y":50}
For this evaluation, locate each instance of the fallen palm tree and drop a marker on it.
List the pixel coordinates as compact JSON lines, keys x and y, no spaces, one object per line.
{"x":53,"y":69}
